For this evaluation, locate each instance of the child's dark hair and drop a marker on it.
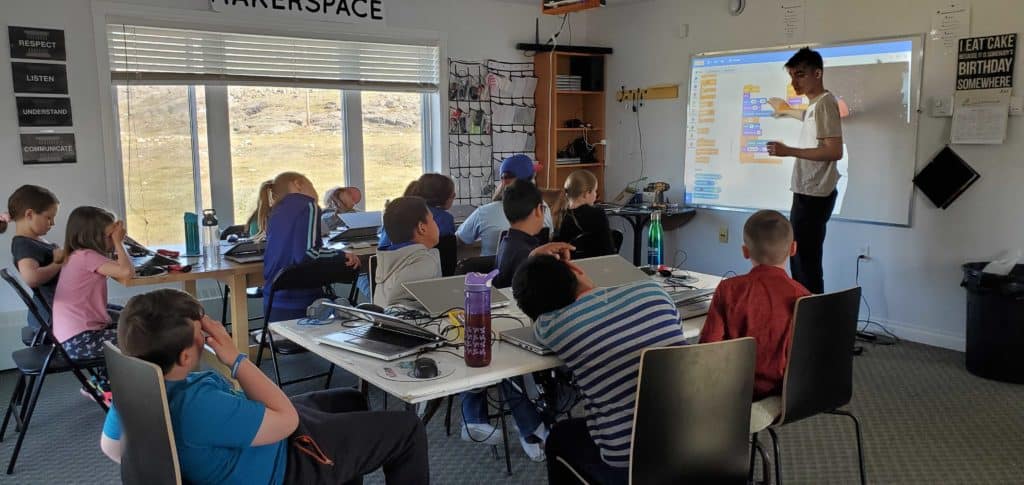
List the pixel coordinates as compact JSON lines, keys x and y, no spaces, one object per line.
{"x":87,"y":229}
{"x":805,"y":57}
{"x":435,"y":188}
{"x":28,"y":197}
{"x":156,"y":326}
{"x":543,"y":284}
{"x":401,"y":217}
{"x":519,"y":200}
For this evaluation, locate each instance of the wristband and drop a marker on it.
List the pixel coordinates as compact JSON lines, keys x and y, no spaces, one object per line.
{"x":237,"y":364}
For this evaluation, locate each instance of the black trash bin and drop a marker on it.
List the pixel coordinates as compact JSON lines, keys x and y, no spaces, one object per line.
{"x":995,"y":323}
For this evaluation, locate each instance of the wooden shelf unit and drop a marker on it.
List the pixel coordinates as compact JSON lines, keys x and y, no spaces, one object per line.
{"x":555,"y":107}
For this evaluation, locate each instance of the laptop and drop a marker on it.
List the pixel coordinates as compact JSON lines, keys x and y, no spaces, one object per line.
{"x":358,"y":225}
{"x":383,"y":337}
{"x":692,"y":303}
{"x":146,"y":261}
{"x":442,"y":294}
{"x":611,"y":271}
{"x":246,"y":251}
{"x":524,"y":338}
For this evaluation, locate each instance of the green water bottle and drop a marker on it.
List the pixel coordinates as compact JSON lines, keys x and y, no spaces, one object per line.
{"x":655,"y":245}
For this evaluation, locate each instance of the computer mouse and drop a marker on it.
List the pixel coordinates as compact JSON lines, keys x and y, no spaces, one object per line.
{"x":665,"y":272}
{"x":232,"y":238}
{"x":424,"y":368}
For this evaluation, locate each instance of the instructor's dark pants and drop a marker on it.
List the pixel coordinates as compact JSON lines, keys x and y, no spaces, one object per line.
{"x":339,"y":440}
{"x":809,"y":216}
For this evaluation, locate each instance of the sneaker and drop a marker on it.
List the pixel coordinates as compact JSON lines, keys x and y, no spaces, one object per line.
{"x":481,"y":433}
{"x":533,"y":450}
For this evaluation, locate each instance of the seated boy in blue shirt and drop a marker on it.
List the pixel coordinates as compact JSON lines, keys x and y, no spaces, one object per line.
{"x":256,"y":436}
{"x":524,"y":207}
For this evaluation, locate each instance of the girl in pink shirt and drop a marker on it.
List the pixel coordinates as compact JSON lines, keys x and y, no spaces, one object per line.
{"x":81,"y":322}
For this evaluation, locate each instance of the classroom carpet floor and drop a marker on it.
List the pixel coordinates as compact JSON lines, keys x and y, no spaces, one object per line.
{"x":925,"y":420}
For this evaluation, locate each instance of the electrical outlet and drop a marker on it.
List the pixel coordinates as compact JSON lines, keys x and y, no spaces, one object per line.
{"x":723,"y":234}
{"x":864,"y":251}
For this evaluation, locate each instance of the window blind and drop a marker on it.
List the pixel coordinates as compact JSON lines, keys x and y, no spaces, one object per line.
{"x":164,"y":55}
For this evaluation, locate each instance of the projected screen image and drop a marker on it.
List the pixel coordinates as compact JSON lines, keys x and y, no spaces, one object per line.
{"x":729,"y":123}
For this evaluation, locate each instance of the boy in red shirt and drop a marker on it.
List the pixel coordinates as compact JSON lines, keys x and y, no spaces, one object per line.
{"x":760,"y":303}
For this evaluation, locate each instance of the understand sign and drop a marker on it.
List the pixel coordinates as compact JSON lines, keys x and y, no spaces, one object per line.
{"x":44,"y":111}
{"x":986,"y":62}
{"x":43,"y":148}
{"x":350,"y":11}
{"x":39,"y":78}
{"x":32,"y":43}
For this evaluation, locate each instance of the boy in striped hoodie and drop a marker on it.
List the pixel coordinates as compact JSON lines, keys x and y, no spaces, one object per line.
{"x":599,"y":334}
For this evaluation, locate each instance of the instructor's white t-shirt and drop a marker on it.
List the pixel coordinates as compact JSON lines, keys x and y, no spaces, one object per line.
{"x":821,"y":120}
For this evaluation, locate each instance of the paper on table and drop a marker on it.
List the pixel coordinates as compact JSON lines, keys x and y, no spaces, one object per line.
{"x":980,"y":117}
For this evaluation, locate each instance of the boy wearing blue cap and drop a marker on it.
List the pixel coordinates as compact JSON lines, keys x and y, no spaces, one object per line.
{"x":487,"y":222}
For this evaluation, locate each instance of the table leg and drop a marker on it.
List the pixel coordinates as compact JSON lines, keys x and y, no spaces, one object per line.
{"x":239,"y":314}
{"x":190,"y":288}
{"x":638,"y":238}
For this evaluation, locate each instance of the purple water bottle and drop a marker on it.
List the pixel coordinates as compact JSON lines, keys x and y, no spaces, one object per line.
{"x":477,"y":349}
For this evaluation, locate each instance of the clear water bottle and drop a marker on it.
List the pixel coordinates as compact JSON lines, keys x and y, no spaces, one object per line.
{"x":477,"y":348}
{"x":655,"y":244}
{"x":211,"y":237}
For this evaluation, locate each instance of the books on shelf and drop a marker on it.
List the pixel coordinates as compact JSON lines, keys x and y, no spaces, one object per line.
{"x":567,"y":161}
{"x":567,"y":82}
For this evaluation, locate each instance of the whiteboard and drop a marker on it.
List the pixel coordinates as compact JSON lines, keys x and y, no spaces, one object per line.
{"x":728,"y":123}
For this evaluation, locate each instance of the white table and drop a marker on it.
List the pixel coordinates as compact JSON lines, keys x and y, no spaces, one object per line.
{"x":506,"y":360}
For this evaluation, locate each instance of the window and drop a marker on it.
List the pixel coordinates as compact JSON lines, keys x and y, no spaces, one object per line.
{"x":392,"y":144}
{"x":270,"y":104}
{"x":274,"y":130}
{"x":157,"y":159}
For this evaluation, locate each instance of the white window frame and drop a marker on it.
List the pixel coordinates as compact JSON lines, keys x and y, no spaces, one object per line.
{"x":218,"y":125}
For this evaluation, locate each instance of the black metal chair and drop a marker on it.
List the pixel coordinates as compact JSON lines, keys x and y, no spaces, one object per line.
{"x":34,"y":364}
{"x":371,"y":273}
{"x":448,"y":247}
{"x":819,"y":373}
{"x":692,"y":415}
{"x":479,"y":264}
{"x":312,"y":275}
{"x":617,"y":240}
{"x":149,"y":455}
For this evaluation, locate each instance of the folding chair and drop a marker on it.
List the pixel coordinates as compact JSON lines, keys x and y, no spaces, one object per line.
{"x":819,"y":372}
{"x":149,"y":455}
{"x":321,"y":274}
{"x":34,"y":364}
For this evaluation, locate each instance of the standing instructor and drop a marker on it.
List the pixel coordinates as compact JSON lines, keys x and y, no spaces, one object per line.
{"x":815,"y":174}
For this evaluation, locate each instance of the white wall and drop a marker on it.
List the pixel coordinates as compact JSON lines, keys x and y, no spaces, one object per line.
{"x":471,"y":29}
{"x":912,"y":280}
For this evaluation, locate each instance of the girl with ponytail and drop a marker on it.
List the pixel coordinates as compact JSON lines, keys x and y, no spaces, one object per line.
{"x":578,"y":221}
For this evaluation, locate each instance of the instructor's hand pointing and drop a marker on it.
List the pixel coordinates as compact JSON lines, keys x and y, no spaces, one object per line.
{"x":779,"y":149}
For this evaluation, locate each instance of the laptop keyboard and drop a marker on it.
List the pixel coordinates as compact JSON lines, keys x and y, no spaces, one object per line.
{"x":371,"y":332}
{"x":688,"y":297}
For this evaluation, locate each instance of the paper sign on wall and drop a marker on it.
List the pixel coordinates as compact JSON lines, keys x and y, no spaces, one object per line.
{"x":43,"y":148}
{"x":349,"y":11}
{"x":951,"y":21}
{"x":33,"y":43}
{"x":39,"y":78}
{"x":792,"y":12}
{"x":980,"y":117}
{"x":44,"y":111}
{"x":986,"y":62}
